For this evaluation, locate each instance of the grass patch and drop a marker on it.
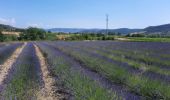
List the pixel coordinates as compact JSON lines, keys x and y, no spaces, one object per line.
{"x":145,"y":39}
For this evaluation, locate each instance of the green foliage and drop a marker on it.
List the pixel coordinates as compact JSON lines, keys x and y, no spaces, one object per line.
{"x":90,"y":37}
{"x":1,"y":37}
{"x":145,"y":39}
{"x":33,"y":34}
{"x":10,"y":38}
{"x":136,"y":35}
{"x":5,"y":38}
{"x":36,"y":34}
{"x":50,"y":36}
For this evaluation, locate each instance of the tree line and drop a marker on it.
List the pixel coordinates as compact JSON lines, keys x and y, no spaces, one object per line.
{"x":89,"y":36}
{"x":33,"y":34}
{"x":30,"y":34}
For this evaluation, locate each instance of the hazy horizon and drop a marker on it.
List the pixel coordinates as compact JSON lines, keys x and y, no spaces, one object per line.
{"x":84,"y":14}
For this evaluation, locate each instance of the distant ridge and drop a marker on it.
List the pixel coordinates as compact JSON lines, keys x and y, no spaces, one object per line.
{"x":9,"y":28}
{"x":66,"y":30}
{"x":159,"y":28}
{"x":124,"y":30}
{"x":74,"y":30}
{"x":6,"y":27}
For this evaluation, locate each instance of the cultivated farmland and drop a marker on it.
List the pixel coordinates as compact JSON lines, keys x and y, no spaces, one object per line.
{"x":85,"y":70}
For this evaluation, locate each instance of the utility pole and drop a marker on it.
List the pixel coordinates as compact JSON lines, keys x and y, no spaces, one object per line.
{"x":107,"y":23}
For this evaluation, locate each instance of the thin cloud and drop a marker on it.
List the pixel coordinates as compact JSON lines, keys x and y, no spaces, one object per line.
{"x":34,"y":25}
{"x":10,"y":21}
{"x":39,"y":25}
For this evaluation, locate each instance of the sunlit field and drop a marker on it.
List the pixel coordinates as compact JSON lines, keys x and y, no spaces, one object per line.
{"x":85,"y":70}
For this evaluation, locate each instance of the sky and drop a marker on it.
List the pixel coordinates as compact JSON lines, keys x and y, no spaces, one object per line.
{"x":84,"y":13}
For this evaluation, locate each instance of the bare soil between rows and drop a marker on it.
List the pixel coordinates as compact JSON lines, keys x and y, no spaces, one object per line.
{"x":7,"y":66}
{"x":49,"y":91}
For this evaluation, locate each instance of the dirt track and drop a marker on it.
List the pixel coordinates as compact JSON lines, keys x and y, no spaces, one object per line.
{"x":48,"y":92}
{"x":7,"y":65}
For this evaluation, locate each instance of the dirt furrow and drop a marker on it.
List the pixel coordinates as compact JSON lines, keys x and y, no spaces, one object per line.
{"x":7,"y":65}
{"x":48,"y":91}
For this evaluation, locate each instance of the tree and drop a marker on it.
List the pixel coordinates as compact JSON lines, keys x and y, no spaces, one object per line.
{"x":50,"y":36}
{"x":1,"y":37}
{"x":138,"y":35}
{"x":10,"y":38}
{"x":49,"y":32}
{"x":33,"y":34}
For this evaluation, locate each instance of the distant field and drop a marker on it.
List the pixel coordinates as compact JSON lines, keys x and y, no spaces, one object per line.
{"x":85,"y":70}
{"x":141,"y":39}
{"x":11,"y":33}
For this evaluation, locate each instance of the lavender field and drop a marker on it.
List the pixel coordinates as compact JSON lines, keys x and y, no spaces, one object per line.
{"x":85,"y":70}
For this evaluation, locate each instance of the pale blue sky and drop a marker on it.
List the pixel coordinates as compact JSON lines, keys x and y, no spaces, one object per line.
{"x":84,"y":13}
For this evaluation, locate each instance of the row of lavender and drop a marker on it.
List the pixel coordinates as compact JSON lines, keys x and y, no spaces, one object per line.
{"x":143,"y":68}
{"x":6,"y":49}
{"x":23,"y":80}
{"x":139,"y":62}
{"x":92,"y":70}
{"x":76,"y":82}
